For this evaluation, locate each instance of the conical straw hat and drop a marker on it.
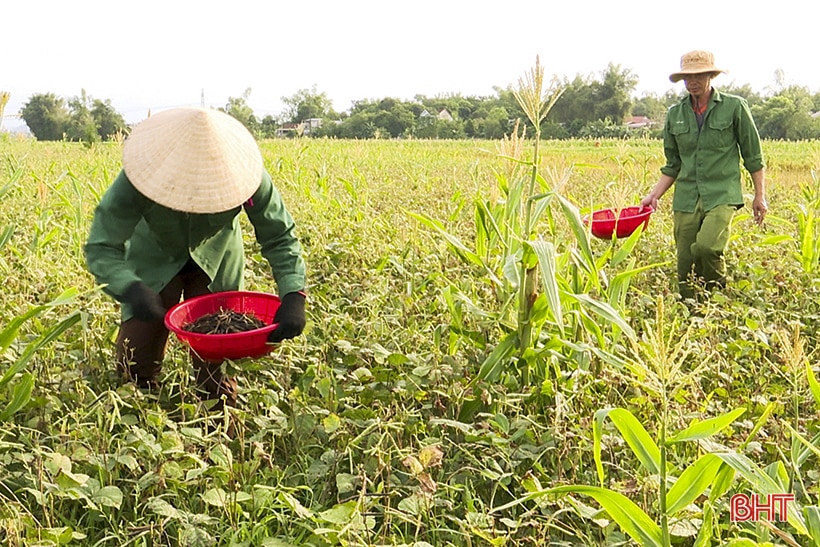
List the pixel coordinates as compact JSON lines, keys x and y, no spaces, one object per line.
{"x":195,"y":160}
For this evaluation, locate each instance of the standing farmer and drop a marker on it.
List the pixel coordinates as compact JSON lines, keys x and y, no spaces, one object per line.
{"x":168,"y":228}
{"x":704,"y":138}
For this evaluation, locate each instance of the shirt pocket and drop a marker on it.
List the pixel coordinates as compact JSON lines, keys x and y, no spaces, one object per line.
{"x":720,"y":132}
{"x":685,"y":138}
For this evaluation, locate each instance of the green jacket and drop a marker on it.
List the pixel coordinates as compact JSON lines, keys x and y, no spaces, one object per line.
{"x":706,"y":162}
{"x":135,"y":239}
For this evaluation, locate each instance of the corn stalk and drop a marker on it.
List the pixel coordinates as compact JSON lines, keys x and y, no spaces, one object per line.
{"x":536,"y":101}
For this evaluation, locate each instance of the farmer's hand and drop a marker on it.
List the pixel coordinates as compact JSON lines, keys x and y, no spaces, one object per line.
{"x":760,"y":208}
{"x":290,"y":316}
{"x":144,"y":301}
{"x":649,"y":201}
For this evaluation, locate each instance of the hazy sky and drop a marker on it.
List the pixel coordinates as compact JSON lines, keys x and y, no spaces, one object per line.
{"x":159,"y":54}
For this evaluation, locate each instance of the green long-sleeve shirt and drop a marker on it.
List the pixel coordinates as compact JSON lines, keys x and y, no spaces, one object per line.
{"x":705,"y":162}
{"x":135,"y":239}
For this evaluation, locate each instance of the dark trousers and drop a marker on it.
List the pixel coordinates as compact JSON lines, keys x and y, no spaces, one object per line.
{"x":141,"y":344}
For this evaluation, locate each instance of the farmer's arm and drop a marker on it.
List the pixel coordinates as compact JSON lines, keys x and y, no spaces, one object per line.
{"x":751,"y":150}
{"x":663,"y":184}
{"x":115,"y":217}
{"x":275,"y":232}
{"x":669,"y":172}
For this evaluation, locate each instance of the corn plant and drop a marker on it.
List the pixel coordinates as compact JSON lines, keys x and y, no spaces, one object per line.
{"x":540,"y":288}
{"x":662,"y":373}
{"x":15,"y":384}
{"x":807,"y":238}
{"x":799,"y":374}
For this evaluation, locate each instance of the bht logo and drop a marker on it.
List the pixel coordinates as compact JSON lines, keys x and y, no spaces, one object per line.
{"x":771,"y":507}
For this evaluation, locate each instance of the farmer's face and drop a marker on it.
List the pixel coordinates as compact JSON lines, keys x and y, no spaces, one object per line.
{"x":698,"y":84}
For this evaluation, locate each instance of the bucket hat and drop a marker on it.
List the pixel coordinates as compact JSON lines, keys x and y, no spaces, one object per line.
{"x":195,"y":160}
{"x":695,"y":62}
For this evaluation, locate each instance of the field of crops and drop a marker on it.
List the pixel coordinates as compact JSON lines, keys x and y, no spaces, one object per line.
{"x":428,"y":403}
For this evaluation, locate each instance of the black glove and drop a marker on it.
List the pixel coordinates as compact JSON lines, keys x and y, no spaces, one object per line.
{"x":290,"y":316}
{"x":145,"y":301}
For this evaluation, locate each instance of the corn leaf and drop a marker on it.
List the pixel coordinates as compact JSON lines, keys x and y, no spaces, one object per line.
{"x":813,"y":383}
{"x":9,"y":333}
{"x":631,"y":518}
{"x":5,"y":235}
{"x":625,"y":249}
{"x":812,"y":514}
{"x":461,"y":250}
{"x":702,"y":429}
{"x":573,"y":216}
{"x":494,"y":364}
{"x":762,"y":483}
{"x":34,"y":346}
{"x":545,"y":251}
{"x":704,"y":537}
{"x":604,"y":311}
{"x":20,"y":396}
{"x":810,"y":447}
{"x":723,"y":481}
{"x":694,"y":480}
{"x":620,"y":282}
{"x":633,"y":433}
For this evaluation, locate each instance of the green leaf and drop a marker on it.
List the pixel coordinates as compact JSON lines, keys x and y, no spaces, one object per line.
{"x":581,"y":237}
{"x":813,"y":383}
{"x":605,"y":311}
{"x":620,"y":282}
{"x":767,"y":412}
{"x":810,"y":447}
{"x":723,"y":481}
{"x":545,"y":251}
{"x":35,"y":346}
{"x":494,"y":364}
{"x":694,"y":480}
{"x":221,"y":456}
{"x":162,"y":508}
{"x":339,"y":514}
{"x":108,"y":496}
{"x":631,"y":518}
{"x":625,"y":249}
{"x":633,"y":433}
{"x":295,"y":505}
{"x":702,"y":429}
{"x":5,"y":235}
{"x":8,"y":334}
{"x":20,"y":396}
{"x":461,"y":250}
{"x":331,"y":423}
{"x":762,"y":483}
{"x":812,"y":514}
{"x":704,"y":537}
{"x":216,"y":497}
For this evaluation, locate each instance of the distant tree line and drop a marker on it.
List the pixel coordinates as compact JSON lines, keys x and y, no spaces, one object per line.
{"x":84,"y":119}
{"x":588,"y":108}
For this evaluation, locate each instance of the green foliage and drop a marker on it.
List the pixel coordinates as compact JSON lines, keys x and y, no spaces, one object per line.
{"x":46,"y":116}
{"x":82,"y":119}
{"x":382,"y":425}
{"x":238,"y":108}
{"x":306,"y":104}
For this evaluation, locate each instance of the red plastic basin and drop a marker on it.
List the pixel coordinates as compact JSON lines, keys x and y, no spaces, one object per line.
{"x":217,"y":347}
{"x":623,"y":223}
